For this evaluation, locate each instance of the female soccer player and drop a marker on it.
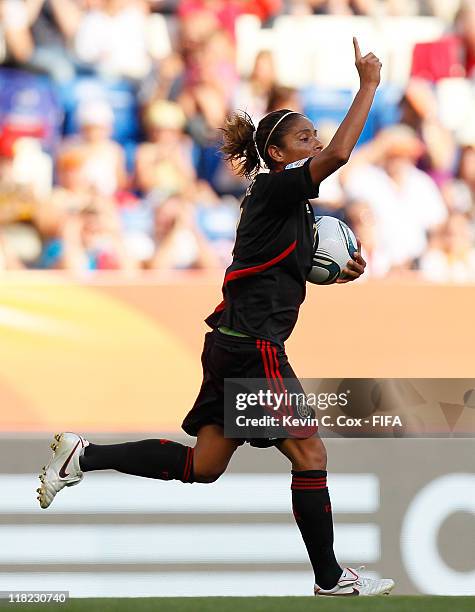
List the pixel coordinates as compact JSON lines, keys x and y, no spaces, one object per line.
{"x":263,"y":289}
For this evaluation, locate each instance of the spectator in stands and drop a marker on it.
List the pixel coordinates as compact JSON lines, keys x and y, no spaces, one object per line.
{"x":405,"y":201}
{"x":92,"y":240}
{"x":137,"y":220}
{"x":281,"y":96}
{"x":453,"y":259}
{"x":331,"y":199}
{"x":24,"y":165}
{"x":72,"y":192}
{"x":252,"y":94}
{"x":216,"y":217}
{"x":25,"y":184}
{"x":419,"y":111}
{"x":112,"y":38}
{"x":21,"y":186}
{"x":87,"y":238}
{"x":466,"y":173}
{"x":460,"y":192}
{"x":206,"y":99}
{"x":332,"y":7}
{"x":102,"y":169}
{"x":179,"y":242}
{"x":465,"y":30}
{"x":165,"y":162}
{"x":62,"y":218}
{"x":39,"y":33}
{"x":194,"y":30}
{"x":165,"y":80}
{"x":186,"y":218}
{"x":360,"y":217}
{"x":227,"y":11}
{"x":215,"y":65}
{"x":452,"y":55}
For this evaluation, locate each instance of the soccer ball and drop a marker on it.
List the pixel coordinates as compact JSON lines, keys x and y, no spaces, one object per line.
{"x":336,"y":245}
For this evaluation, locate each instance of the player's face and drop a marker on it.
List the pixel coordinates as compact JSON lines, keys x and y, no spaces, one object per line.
{"x":301,"y":141}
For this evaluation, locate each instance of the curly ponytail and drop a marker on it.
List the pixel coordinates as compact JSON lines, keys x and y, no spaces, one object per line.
{"x":239,"y":147}
{"x":244,"y":146}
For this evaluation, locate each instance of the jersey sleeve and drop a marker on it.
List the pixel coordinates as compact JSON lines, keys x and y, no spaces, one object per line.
{"x":293,"y":184}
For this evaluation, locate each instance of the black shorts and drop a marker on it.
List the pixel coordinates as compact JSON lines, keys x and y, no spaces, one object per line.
{"x":226,"y":356}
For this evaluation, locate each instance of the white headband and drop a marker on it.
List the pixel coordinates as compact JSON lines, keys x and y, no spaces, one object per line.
{"x":277,"y":123}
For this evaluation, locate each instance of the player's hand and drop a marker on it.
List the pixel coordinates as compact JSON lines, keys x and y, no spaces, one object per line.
{"x":354,"y":268}
{"x":368,"y":66}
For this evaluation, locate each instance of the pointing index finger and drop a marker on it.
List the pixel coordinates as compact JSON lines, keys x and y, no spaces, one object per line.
{"x":357,"y":48}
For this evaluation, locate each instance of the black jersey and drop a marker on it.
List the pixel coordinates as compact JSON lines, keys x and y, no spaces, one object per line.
{"x":265,"y":284}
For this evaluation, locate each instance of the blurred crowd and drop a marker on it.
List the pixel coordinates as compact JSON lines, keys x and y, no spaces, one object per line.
{"x":110,"y":116}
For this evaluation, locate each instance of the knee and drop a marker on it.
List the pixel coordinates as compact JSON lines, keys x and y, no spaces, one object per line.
{"x":206,"y":475}
{"x":309,"y":454}
{"x":318,"y":457}
{"x":312,"y":457}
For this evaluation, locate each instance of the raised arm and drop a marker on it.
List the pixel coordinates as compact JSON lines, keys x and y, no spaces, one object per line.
{"x":338,"y":152}
{"x":68,"y":16}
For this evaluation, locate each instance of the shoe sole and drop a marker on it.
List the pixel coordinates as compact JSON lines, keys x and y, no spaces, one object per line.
{"x":41,"y":490}
{"x":386,"y":592}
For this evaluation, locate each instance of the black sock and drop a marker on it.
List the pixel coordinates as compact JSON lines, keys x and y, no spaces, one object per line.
{"x":161,"y":459}
{"x":313,"y":514}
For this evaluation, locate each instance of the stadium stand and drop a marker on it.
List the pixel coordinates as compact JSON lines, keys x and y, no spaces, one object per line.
{"x":205,"y":59}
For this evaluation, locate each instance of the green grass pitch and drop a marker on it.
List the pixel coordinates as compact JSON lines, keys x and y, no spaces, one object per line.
{"x":391,"y":603}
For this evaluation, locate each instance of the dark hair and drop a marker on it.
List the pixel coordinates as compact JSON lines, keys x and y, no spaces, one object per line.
{"x":242,"y":147}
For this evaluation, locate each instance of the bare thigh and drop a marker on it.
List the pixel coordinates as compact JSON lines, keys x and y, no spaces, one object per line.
{"x":212,"y":453}
{"x":305,"y":454}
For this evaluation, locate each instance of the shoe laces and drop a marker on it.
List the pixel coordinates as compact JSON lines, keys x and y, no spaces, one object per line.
{"x":361,"y":580}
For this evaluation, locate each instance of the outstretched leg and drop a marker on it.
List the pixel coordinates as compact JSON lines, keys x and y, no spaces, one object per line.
{"x":165,"y":459}
{"x":154,"y":458}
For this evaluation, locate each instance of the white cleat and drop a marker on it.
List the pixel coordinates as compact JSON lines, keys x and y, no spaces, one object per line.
{"x":352,"y":583}
{"x":63,"y":470}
